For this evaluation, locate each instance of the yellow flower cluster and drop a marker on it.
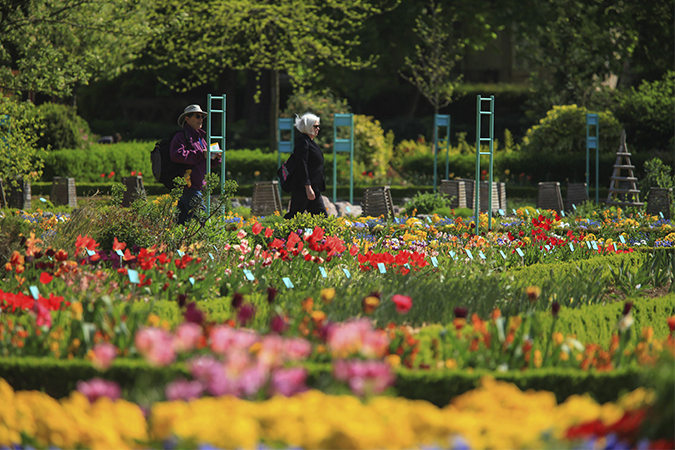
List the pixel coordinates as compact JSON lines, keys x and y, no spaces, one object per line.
{"x":496,"y":415}
{"x":70,"y":423}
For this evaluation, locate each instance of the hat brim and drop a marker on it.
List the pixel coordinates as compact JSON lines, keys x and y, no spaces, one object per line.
{"x":181,"y":118}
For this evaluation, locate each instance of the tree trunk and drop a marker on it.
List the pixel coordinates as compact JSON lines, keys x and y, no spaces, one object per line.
{"x":274,"y":108}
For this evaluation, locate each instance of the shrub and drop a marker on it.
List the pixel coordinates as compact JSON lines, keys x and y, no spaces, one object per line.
{"x":427,"y":203}
{"x":371,"y":146}
{"x":563,"y":131}
{"x":63,"y":128}
{"x":658,"y":175}
{"x":322,"y":103}
{"x":20,"y":155}
{"x":647,"y":114}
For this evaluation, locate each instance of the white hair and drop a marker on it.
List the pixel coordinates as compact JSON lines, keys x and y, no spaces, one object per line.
{"x":305,"y":123}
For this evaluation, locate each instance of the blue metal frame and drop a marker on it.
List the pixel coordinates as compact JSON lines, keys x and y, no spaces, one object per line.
{"x":490,"y":140}
{"x":284,"y":146}
{"x":593,"y":141}
{"x":343,"y":145}
{"x":210,"y":111}
{"x":441,"y":120}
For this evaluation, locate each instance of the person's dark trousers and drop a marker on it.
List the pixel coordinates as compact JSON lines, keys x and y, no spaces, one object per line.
{"x":190,"y":202}
{"x":300,"y":203}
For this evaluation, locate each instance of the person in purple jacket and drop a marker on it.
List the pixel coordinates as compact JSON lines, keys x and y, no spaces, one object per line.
{"x":194,"y":153}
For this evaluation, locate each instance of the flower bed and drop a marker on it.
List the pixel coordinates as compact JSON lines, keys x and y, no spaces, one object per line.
{"x":369,"y":303}
{"x":496,"y":415}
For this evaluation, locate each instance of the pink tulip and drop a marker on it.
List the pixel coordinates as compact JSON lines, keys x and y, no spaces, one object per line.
{"x":97,"y":388}
{"x":186,"y":337}
{"x":104,"y":354}
{"x":156,"y":346}
{"x":182,"y":389}
{"x":288,"y":382}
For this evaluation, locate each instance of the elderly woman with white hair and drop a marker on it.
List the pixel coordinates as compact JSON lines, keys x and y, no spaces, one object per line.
{"x":308,"y":177}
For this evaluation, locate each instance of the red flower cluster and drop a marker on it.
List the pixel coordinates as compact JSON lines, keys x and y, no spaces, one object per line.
{"x":627,"y":429}
{"x":414,"y":260}
{"x":22,"y":301}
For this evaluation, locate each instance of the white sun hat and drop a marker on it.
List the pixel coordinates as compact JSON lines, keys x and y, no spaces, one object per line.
{"x":191,"y":109}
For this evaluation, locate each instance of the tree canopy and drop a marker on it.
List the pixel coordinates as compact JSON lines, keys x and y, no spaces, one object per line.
{"x":52,"y":46}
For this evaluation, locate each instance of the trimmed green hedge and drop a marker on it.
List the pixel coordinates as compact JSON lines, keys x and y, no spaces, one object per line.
{"x":529,"y":274}
{"x":59,"y":377}
{"x":597,"y":323}
{"x":440,"y":386}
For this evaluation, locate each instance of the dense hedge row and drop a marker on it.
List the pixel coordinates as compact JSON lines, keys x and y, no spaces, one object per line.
{"x":552,"y":167}
{"x":59,"y":377}
{"x":99,"y":161}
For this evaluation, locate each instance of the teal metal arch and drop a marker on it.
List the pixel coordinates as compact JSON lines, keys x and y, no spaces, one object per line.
{"x":215,"y":139}
{"x":343,"y":145}
{"x":441,"y":121}
{"x":490,"y":140}
{"x":593,"y":141}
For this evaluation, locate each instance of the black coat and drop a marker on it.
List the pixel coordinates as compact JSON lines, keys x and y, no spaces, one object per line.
{"x":309,"y":160}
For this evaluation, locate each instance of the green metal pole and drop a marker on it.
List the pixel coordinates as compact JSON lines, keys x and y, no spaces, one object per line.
{"x":351,"y":162}
{"x":476,"y":188}
{"x":208,"y":152}
{"x":492,"y":134}
{"x":435,"y":149}
{"x":334,"y":166}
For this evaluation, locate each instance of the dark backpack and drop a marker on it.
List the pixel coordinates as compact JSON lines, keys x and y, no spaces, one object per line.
{"x":163,"y":168}
{"x":285,"y":173}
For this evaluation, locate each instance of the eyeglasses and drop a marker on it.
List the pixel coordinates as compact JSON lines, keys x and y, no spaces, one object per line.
{"x":199,"y":116}
{"x":316,"y":126}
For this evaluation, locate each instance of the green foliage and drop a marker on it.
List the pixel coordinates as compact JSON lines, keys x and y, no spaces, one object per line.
{"x":100,"y":159}
{"x":58,"y":378}
{"x":658,"y":175}
{"x":563,"y":132}
{"x":324,"y":104}
{"x":431,"y":69}
{"x":647,"y":114}
{"x":63,"y":128}
{"x":597,"y":323}
{"x":12,"y":227}
{"x":257,"y":36}
{"x":426,"y":203}
{"x":372,"y":147}
{"x":20,"y":155}
{"x":50,"y":47}
{"x":441,"y":386}
{"x":661,"y":415}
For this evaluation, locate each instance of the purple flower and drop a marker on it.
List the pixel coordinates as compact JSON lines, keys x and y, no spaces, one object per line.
{"x":288,"y":382}
{"x":245,"y":314}
{"x":278,"y":324}
{"x":193,"y":314}
{"x":183,"y":389}
{"x":182,"y":298}
{"x":626,"y":308}
{"x":237,"y":300}
{"x":271,"y":294}
{"x":97,"y":388}
{"x":461,"y":313}
{"x":555,"y":308}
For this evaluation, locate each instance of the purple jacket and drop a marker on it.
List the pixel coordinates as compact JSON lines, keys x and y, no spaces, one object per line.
{"x":192,"y":152}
